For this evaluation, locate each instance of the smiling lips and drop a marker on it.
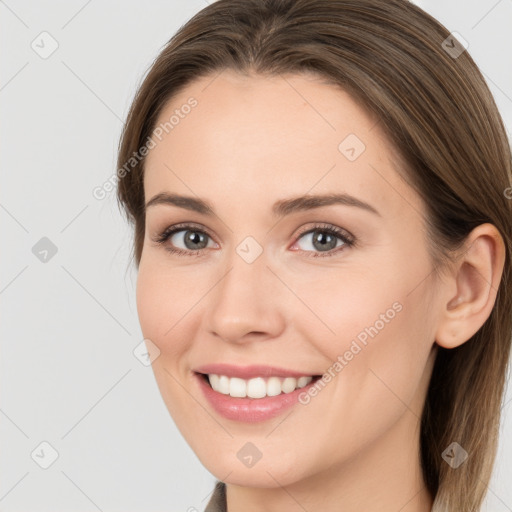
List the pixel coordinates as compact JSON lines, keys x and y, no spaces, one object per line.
{"x":251,"y":393}
{"x":256,"y":381}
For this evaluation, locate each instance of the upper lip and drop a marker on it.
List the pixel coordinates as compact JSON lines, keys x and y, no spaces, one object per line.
{"x":249,"y":372}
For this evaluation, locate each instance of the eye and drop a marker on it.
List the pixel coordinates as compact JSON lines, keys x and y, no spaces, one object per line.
{"x":192,"y":239}
{"x":325,"y":239}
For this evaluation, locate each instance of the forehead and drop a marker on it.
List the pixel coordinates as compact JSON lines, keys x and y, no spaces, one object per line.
{"x":258,"y":136}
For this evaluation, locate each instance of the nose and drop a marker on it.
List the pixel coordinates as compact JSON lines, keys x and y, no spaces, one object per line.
{"x":247,"y":304}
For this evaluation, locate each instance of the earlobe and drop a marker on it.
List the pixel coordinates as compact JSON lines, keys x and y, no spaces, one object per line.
{"x":476,"y":275}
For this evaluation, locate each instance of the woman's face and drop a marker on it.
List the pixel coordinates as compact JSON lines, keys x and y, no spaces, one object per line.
{"x":269,"y":286}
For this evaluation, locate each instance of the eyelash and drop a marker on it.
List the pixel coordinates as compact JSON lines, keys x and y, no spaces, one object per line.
{"x":347,"y":239}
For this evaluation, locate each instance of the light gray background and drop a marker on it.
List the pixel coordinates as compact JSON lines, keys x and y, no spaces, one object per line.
{"x":69,"y":326}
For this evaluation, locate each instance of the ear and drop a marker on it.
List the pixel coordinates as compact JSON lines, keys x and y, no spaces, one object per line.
{"x":476,"y":277}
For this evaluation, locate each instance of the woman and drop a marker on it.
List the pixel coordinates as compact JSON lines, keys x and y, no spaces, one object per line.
{"x":320,"y":196}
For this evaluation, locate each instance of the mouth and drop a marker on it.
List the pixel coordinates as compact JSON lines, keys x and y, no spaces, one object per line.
{"x":252,"y":393}
{"x":256,"y":387}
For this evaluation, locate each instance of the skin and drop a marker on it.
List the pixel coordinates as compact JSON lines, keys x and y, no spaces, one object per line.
{"x":249,"y":142}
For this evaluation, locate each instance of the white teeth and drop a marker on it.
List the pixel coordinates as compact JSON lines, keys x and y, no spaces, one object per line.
{"x":214,"y":380}
{"x":274,"y":386}
{"x":223,"y":386}
{"x":237,"y":387}
{"x":303,"y":381}
{"x":257,"y":387}
{"x":289,"y":384}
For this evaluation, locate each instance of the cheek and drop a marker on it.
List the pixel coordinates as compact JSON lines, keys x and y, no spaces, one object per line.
{"x":381,"y":336}
{"x":347,"y":309}
{"x":160,"y":306}
{"x":385,"y":356}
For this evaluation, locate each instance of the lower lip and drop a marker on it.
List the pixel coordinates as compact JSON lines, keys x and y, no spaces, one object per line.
{"x":250,"y":410}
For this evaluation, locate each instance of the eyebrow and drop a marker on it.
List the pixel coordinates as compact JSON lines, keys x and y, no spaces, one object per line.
{"x":280,"y":208}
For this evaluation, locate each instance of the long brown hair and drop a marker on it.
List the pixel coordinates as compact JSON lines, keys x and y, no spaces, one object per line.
{"x":432,"y":102}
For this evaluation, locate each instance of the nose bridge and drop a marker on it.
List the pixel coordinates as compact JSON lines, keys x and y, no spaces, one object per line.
{"x":245,"y":302}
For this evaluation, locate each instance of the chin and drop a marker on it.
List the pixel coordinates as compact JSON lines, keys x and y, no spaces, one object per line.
{"x":272,"y":470}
